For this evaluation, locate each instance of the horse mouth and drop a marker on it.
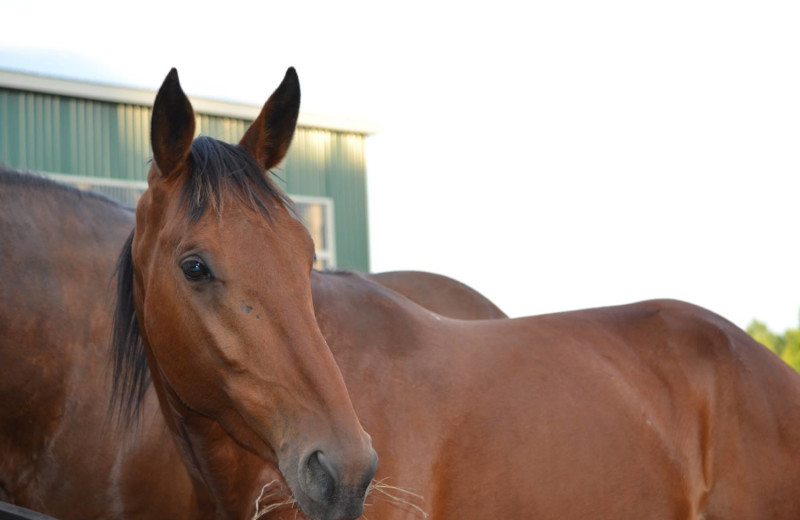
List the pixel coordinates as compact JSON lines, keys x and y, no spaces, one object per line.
{"x":276,"y":495}
{"x":316,"y":488}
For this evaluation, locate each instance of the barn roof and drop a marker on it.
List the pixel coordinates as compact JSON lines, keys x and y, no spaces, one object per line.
{"x":144,"y":97}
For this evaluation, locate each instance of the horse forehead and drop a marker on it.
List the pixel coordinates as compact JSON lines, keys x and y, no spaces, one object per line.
{"x":237,"y":224}
{"x":246,"y":230}
{"x":239,"y":227}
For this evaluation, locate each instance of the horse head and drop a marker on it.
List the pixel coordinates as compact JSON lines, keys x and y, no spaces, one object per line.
{"x":220,"y":275}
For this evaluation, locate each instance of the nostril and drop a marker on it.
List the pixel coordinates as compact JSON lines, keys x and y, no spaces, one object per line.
{"x":326,"y":464}
{"x":332,"y":490}
{"x":371,"y":470}
{"x":320,"y":478}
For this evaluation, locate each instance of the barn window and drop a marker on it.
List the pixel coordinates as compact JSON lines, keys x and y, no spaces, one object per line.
{"x":317,"y":214}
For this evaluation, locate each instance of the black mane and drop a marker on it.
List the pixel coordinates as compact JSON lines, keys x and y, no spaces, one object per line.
{"x":215,"y":166}
{"x":131,"y":376}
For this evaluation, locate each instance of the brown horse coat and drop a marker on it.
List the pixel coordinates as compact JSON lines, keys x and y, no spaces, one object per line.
{"x":440,"y":294}
{"x":59,"y":453}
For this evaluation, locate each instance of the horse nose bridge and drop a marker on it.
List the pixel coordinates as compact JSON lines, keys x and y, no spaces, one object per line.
{"x":294,"y":380}
{"x":333,"y":424}
{"x":289,"y":345}
{"x":317,"y":372}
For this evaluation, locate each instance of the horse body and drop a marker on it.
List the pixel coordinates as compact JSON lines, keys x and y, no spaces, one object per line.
{"x":658,"y":410}
{"x":58,"y":451}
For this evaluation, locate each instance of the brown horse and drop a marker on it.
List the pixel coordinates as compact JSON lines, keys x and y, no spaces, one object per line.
{"x":58,"y":453}
{"x":658,"y":409}
{"x":55,"y":331}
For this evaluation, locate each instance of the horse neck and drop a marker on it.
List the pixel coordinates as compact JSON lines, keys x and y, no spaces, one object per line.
{"x":370,"y":330}
{"x":347,"y":305}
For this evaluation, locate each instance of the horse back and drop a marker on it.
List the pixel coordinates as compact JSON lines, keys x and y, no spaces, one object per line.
{"x":658,"y":409}
{"x":657,"y":406}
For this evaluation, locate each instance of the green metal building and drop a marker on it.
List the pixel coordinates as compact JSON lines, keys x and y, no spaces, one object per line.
{"x":97,"y":137}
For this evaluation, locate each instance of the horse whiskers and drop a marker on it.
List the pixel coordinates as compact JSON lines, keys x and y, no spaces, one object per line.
{"x":382,"y":488}
{"x":404,"y":502}
{"x":385,"y":491}
{"x":271,"y":507}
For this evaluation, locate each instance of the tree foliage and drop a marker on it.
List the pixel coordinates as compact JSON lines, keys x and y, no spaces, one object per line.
{"x":786,"y":345}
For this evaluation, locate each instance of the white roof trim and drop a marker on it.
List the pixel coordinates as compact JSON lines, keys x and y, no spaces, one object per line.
{"x":135,"y":96}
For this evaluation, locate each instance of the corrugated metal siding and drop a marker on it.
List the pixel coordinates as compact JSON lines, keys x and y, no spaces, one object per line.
{"x":79,"y":137}
{"x":332,"y":164}
{"x":84,"y":137}
{"x":348,"y":187}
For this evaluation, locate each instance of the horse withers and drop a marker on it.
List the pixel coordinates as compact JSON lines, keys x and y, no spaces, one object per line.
{"x":440,"y":294}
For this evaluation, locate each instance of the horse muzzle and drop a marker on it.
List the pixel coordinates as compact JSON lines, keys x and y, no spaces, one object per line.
{"x":327,"y":492}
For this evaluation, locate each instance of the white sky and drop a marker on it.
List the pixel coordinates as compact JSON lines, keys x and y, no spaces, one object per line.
{"x":554,"y":155}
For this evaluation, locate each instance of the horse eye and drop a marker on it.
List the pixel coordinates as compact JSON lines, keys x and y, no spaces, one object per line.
{"x":195,"y":270}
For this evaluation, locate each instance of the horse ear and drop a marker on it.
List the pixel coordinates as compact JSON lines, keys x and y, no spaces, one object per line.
{"x":270,"y":135}
{"x":172,"y":126}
